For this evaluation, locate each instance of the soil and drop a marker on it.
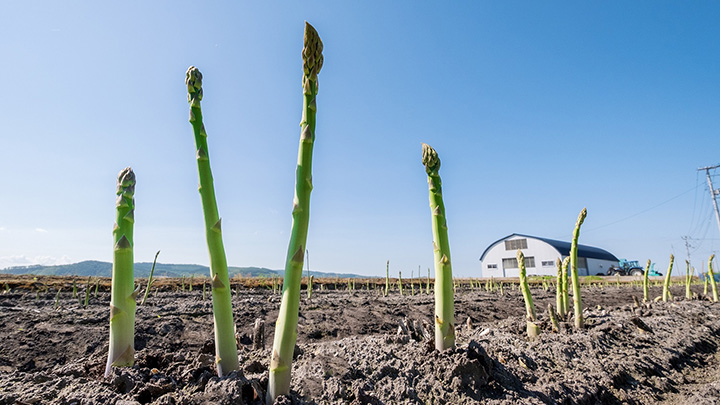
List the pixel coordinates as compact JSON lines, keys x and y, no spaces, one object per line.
{"x":358,"y":347}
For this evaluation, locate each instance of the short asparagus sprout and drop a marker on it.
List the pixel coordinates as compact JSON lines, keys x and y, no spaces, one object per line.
{"x":688,"y":279}
{"x":427,"y":286}
{"x":400,"y":283}
{"x":559,"y":289}
{"x":646,"y":284}
{"x":57,"y":297}
{"x":182,"y":286}
{"x":666,"y":285}
{"x":387,"y":278}
{"x":74,"y":287}
{"x":310,"y":287}
{"x":533,"y":330}
{"x":123,"y":292}
{"x":705,"y":289}
{"x":579,"y":321}
{"x":87,"y":293}
{"x":565,"y":287}
{"x":226,"y":356}
{"x":711,"y":276}
{"x":204,"y":293}
{"x":150,"y":279}
{"x":553,"y":319}
{"x":444,"y":286}
{"x":286,"y":326}
{"x":97,"y":284}
{"x":192,"y":279}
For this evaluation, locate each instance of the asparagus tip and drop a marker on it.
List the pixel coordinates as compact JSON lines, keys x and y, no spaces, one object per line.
{"x":193,"y":81}
{"x":312,"y":52}
{"x":126,"y":180}
{"x":430,"y":159}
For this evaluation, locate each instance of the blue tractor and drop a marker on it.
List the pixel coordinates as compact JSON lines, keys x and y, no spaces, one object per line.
{"x":631,"y":268}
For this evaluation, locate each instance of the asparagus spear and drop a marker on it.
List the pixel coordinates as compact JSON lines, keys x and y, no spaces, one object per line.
{"x":225,"y":344}
{"x":444,"y":301}
{"x":711,"y":277}
{"x":533,"y":330}
{"x":150,"y":279}
{"x":577,"y":300}
{"x":123,"y":293}
{"x":666,"y":284}
{"x":646,"y":284}
{"x":286,"y":326}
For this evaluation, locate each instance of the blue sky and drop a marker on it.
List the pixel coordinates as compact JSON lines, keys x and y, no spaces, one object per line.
{"x":536,"y":110}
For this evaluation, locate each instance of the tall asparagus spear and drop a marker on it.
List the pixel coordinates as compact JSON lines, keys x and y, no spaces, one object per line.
{"x":123,"y":293}
{"x":577,"y":300}
{"x":444,"y":301}
{"x":566,"y":290}
{"x":646,"y":283}
{"x":533,"y":330}
{"x":286,"y":326}
{"x":225,"y":344}
{"x":666,"y":284}
{"x":711,"y":275}
{"x":559,"y":289}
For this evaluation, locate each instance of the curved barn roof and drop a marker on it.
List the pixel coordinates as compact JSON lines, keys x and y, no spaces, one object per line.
{"x":563,"y":248}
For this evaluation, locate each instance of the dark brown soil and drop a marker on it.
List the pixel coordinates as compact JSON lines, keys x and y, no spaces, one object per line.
{"x":349,"y":350}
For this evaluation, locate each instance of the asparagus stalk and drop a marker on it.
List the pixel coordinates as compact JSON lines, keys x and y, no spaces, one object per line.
{"x":577,"y":300}
{"x":444,"y":301}
{"x":532,"y":328}
{"x":150,"y":279}
{"x":400,"y":284}
{"x":286,"y":326}
{"x":688,"y":279}
{"x":565,"y":289}
{"x":666,"y":284}
{"x":711,"y":276}
{"x":559,"y":289}
{"x":646,"y":284}
{"x":225,"y":344}
{"x":123,"y":293}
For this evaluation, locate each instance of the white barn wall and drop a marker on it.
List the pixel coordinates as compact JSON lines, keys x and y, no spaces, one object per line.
{"x":538,"y":249}
{"x":541,"y":251}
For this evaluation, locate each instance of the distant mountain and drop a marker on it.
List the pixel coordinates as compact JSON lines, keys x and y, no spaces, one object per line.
{"x":104,"y":269}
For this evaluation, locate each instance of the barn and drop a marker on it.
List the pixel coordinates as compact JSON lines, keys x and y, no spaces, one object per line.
{"x":500,"y":258}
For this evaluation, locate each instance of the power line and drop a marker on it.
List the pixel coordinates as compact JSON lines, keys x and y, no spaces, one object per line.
{"x":644,"y":211}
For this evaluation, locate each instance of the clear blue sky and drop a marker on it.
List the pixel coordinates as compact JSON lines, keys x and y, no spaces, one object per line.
{"x":537,"y":109}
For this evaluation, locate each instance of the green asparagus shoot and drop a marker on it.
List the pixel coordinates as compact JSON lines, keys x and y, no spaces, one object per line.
{"x":577,"y":300}
{"x":688,"y":279}
{"x":286,"y":325}
{"x":225,"y":345}
{"x":400,"y":284}
{"x":387,"y":278}
{"x":559,"y":289}
{"x":711,"y":276}
{"x":666,"y":284}
{"x":57,"y":298}
{"x":444,"y":286}
{"x":532,"y":328}
{"x":150,"y":279}
{"x":646,"y":284}
{"x":122,"y":292}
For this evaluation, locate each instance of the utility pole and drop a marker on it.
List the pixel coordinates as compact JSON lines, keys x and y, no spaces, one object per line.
{"x":713,"y":192}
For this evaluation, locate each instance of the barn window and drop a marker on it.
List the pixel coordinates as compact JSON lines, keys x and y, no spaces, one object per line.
{"x":492,"y":266}
{"x":547,"y":263}
{"x":513,"y":263}
{"x":516,"y":244}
